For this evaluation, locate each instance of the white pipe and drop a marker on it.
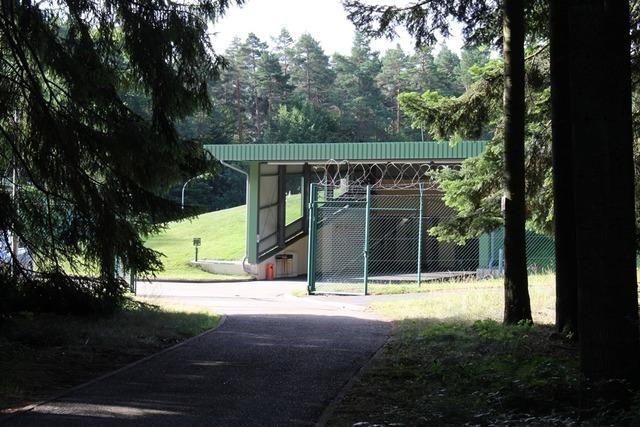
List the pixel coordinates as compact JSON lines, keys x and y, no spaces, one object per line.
{"x":185,"y":186}
{"x":246,"y":202}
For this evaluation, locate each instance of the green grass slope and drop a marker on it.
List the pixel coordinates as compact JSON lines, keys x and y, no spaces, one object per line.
{"x":223,"y":238}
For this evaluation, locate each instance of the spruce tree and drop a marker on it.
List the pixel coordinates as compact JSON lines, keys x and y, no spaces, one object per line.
{"x":92,"y":167}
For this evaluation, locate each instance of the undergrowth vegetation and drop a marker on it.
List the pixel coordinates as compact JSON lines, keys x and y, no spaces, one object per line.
{"x":59,"y":293}
{"x":480,"y":373}
{"x":443,"y":366}
{"x":41,"y":354}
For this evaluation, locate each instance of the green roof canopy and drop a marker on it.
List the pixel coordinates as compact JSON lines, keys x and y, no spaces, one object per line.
{"x":350,"y":151}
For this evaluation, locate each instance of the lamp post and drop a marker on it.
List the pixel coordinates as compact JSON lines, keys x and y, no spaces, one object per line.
{"x":185,"y":186}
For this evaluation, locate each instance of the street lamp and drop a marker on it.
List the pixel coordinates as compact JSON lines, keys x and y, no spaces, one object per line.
{"x":185,"y":186}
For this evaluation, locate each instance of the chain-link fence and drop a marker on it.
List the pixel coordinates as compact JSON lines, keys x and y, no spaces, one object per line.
{"x":362,"y":236}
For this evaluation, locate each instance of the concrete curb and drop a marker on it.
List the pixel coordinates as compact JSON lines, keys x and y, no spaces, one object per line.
{"x":18,"y":411}
{"x":347,"y":306}
{"x":238,"y":280}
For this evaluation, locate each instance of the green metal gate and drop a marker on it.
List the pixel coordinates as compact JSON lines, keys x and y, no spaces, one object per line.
{"x":362,"y":234}
{"x":338,"y":222}
{"x":361,"y":237}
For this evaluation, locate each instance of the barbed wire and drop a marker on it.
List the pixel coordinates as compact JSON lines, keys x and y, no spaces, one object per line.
{"x":390,"y":175}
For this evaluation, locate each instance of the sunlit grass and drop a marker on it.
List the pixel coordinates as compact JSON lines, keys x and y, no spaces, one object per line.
{"x":469,"y":304}
{"x":222,"y":234}
{"x":374,"y":288}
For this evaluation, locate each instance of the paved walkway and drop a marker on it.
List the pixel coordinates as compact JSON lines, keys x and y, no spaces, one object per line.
{"x":277,"y":360}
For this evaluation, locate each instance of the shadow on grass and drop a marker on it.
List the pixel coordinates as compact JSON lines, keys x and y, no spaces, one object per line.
{"x":460,"y":372}
{"x":42,"y":354}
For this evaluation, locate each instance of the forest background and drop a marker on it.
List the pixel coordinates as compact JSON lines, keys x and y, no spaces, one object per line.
{"x":291,"y":91}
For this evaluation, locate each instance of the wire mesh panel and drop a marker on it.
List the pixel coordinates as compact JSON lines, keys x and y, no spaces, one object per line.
{"x":339,"y":237}
{"x":403,"y":246}
{"x":540,"y":253}
{"x":364,"y":235}
{"x":444,"y":259}
{"x":394,"y":244}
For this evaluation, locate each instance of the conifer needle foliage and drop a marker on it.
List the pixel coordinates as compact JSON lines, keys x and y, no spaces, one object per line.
{"x":91,"y":158}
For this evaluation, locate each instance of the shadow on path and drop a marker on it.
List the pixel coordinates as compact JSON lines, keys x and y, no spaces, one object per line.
{"x":254,"y":370}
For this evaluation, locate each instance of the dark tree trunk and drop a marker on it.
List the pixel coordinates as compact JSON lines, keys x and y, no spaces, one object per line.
{"x":564,"y":219}
{"x":239,"y":112}
{"x":258,"y":125}
{"x":516,"y":305}
{"x":398,"y":111}
{"x":604,"y":188}
{"x":108,"y":253}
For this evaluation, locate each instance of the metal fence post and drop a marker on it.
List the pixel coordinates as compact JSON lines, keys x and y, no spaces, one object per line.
{"x":311,"y":251}
{"x":367,"y":219}
{"x":420,"y":212}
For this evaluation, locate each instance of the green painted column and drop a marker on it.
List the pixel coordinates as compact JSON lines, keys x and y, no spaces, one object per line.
{"x":420,"y":214}
{"x":311,"y":249}
{"x":253,"y":211}
{"x":367,"y":225}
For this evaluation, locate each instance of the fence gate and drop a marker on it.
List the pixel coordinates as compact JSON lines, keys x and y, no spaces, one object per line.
{"x":367,"y":237}
{"x":338,"y":223}
{"x":362,"y":235}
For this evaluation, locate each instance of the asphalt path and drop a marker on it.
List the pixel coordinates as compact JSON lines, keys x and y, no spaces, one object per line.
{"x":277,"y":360}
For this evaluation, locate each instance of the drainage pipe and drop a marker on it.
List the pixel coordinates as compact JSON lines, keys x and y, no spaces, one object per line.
{"x":246,"y":202}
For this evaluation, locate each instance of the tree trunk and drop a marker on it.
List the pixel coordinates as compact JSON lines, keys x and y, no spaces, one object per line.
{"x":398,"y":111}
{"x":258,"y":125}
{"x":239,"y":112}
{"x":604,"y":188}
{"x":564,"y":217}
{"x":308,"y":79}
{"x":517,"y":306}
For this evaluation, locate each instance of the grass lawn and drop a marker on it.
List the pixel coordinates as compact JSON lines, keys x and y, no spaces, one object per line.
{"x":443,"y":366}
{"x":222,"y":233}
{"x":469,"y":283}
{"x":223,"y":238}
{"x":44,"y":354}
{"x":441,"y":285}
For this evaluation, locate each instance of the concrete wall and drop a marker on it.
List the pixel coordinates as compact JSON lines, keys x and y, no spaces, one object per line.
{"x":233,"y":268}
{"x":299,"y":251}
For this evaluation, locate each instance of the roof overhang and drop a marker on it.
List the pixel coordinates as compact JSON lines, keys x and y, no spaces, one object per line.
{"x":361,"y":152}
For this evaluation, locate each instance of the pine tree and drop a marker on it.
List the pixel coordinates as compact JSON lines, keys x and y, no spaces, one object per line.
{"x":284,"y":50}
{"x":311,"y":73}
{"x":394,"y":77}
{"x":471,"y":58}
{"x":424,"y":75}
{"x":233,"y":88}
{"x":272,"y":84}
{"x":422,"y":20}
{"x":447,"y":66}
{"x":601,"y":123}
{"x":250,"y":55}
{"x":517,"y":304}
{"x":563,"y":201}
{"x":357,"y":94}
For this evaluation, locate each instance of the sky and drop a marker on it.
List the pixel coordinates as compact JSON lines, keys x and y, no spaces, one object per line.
{"x":325,"y":20}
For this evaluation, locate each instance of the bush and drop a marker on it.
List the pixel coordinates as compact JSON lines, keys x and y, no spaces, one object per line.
{"x":60,"y":294}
